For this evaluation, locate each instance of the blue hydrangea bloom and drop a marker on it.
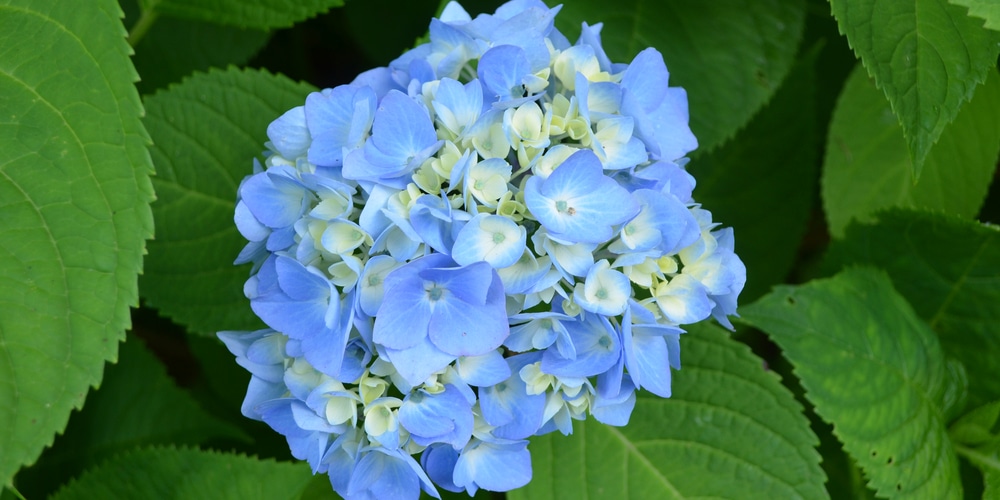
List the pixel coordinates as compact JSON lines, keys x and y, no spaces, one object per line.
{"x":488,"y":239}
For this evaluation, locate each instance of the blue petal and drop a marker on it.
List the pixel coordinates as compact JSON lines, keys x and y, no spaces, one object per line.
{"x":338,"y":118}
{"x":616,"y":410}
{"x":381,"y":475}
{"x":646,"y":79}
{"x":372,"y":283}
{"x":493,"y":467}
{"x":458,"y":106}
{"x":401,"y":322}
{"x":491,"y":238}
{"x":648,"y":359}
{"x":445,"y":417}
{"x":540,"y":332}
{"x":525,"y":274}
{"x":434,"y":222}
{"x":469,"y":284}
{"x":508,"y":406}
{"x":501,"y":71}
{"x":460,"y":330}
{"x":342,"y":457}
{"x":289,"y":134}
{"x":484,"y":370}
{"x":325,"y":349}
{"x":660,"y":112}
{"x":248,"y":225}
{"x":293,"y":318}
{"x":417,"y":363}
{"x":578,"y":203}
{"x":356,"y":359}
{"x":591,"y":35}
{"x":300,"y":282}
{"x":597,"y":345}
{"x":274,"y":197}
{"x":465,"y":329}
{"x":260,"y":391}
{"x":439,"y":462}
{"x":402,"y":138}
{"x":527,"y":29}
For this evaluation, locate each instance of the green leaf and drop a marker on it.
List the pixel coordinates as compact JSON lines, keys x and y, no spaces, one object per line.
{"x":927,"y":56}
{"x":188,"y":473}
{"x":175,"y":48}
{"x":872,"y":369}
{"x":762,"y":182}
{"x":137,"y":404}
{"x":977,"y":439}
{"x":259,"y":14}
{"x":729,"y":55}
{"x":207,"y":130}
{"x":867,"y":168}
{"x":729,"y":429}
{"x":946,"y":268}
{"x":74,"y":193}
{"x":977,"y":426}
{"x":992,"y":478}
{"x":984,"y":9}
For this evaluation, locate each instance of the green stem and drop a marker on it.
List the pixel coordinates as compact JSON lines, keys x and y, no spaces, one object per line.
{"x":146,"y":20}
{"x":14,"y":491}
{"x":977,"y":457}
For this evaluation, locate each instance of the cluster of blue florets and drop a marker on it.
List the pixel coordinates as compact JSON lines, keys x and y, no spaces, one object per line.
{"x":485,"y":240}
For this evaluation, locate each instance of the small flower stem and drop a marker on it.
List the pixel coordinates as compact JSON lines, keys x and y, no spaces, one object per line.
{"x":146,"y":20}
{"x":977,"y":457}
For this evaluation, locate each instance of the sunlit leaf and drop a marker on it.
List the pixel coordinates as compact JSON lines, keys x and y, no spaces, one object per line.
{"x":74,"y":194}
{"x":927,"y":56}
{"x":949,"y":270}
{"x":875,"y":371}
{"x":985,"y":9}
{"x":867,"y":166}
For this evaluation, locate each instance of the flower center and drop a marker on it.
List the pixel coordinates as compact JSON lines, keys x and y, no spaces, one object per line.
{"x":563,"y":207}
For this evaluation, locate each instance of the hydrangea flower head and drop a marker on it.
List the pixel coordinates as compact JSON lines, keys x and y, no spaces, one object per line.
{"x":486,"y":240}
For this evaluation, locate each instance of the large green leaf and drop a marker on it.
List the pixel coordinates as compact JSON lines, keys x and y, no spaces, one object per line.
{"x":927,"y":56}
{"x":985,"y":9}
{"x":207,"y":131}
{"x":137,"y":404}
{"x":730,"y":55}
{"x":947,"y":268}
{"x":872,"y":369}
{"x":867,"y":167}
{"x":762,"y":183}
{"x":730,"y":430}
{"x":74,"y":194}
{"x":187,"y":473}
{"x":260,"y":14}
